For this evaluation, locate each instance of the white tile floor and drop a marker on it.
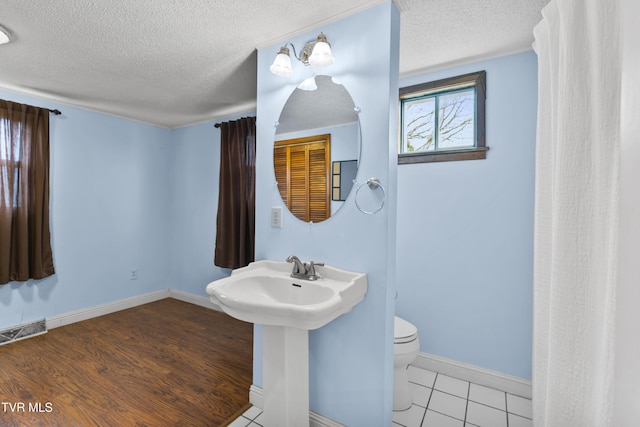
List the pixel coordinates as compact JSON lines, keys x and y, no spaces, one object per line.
{"x":250,"y":418}
{"x":442,"y":401}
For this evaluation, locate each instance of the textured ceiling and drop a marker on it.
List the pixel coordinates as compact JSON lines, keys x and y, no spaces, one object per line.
{"x":179,"y":62}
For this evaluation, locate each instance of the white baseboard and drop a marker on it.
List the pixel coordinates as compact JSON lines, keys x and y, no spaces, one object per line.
{"x":255,"y":396}
{"x":193,"y":299}
{"x":315,"y":419}
{"x":474,"y":374}
{"x":101,"y":310}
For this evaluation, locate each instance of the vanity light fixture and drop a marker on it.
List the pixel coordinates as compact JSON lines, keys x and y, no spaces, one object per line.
{"x":4,"y":36}
{"x":316,"y":53}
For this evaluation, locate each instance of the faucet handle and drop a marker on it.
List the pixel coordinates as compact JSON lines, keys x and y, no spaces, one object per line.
{"x":311,"y":269}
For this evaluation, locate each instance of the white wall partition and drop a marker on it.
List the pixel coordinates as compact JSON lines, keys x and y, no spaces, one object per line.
{"x":351,"y":359}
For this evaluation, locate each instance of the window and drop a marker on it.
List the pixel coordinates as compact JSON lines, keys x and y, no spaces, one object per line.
{"x":443,"y":120}
{"x":10,"y":165}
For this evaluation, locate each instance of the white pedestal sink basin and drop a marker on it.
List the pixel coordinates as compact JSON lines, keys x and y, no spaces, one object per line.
{"x":265,"y":293}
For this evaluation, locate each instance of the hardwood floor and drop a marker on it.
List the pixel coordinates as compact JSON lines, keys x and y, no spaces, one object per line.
{"x":167,"y":363}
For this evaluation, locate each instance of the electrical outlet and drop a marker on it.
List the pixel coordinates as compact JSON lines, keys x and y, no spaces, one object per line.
{"x":134,"y":274}
{"x":276,"y":217}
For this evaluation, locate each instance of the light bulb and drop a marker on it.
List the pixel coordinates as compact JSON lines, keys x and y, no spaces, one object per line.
{"x":308,"y":84}
{"x":321,"y":53}
{"x":4,"y":36}
{"x":282,"y":64}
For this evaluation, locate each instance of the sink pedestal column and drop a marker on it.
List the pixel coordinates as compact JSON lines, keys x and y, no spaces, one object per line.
{"x":285,"y":374}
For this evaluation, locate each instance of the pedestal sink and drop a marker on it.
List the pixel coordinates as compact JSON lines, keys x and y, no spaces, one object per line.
{"x":265,"y":293}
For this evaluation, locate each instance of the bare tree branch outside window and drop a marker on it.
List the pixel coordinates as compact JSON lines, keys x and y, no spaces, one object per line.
{"x":455,"y":122}
{"x":443,"y":120}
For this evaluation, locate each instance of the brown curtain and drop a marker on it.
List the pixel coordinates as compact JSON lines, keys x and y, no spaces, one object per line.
{"x":235,"y":235}
{"x":25,"y":248}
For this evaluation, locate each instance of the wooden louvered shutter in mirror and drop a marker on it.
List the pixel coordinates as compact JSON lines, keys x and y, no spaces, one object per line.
{"x":302,"y":171}
{"x":280,"y":161}
{"x":318,"y":172}
{"x":298,"y":182}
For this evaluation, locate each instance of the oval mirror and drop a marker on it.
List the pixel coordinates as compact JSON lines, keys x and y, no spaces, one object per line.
{"x":317,"y":149}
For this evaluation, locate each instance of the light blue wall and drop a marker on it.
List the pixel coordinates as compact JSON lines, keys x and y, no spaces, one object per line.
{"x":195,"y":172}
{"x":109,"y":200}
{"x":351,"y":359}
{"x":123,"y":195}
{"x":465,"y":232}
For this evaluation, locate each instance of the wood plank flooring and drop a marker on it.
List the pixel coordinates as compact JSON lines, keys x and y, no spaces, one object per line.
{"x":167,"y":363}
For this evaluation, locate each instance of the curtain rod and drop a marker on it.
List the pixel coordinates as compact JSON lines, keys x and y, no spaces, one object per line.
{"x":55,"y":111}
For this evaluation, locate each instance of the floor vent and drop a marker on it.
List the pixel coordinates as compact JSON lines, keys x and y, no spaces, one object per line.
{"x":21,"y":332}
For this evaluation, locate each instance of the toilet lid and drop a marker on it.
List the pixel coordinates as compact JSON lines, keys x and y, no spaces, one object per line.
{"x":403,"y":331}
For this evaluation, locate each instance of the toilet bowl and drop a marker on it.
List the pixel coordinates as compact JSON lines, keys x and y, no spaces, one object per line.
{"x":406,"y":346}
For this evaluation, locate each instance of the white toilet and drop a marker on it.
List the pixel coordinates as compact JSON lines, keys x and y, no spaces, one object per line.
{"x":406,"y":346}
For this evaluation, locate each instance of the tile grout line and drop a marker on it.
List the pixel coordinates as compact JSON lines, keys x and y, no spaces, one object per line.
{"x":466,"y":407}
{"x":506,"y":408}
{"x":429,"y":400}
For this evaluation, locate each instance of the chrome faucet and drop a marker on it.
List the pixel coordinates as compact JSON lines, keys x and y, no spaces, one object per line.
{"x":302,"y":270}
{"x":299,"y":268}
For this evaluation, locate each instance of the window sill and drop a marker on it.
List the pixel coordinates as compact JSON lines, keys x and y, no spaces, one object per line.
{"x":479,"y":153}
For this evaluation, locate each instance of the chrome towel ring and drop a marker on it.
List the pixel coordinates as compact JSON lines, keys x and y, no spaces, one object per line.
{"x":373,"y":184}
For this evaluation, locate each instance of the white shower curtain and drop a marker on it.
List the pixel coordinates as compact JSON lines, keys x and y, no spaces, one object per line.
{"x":577,"y":165}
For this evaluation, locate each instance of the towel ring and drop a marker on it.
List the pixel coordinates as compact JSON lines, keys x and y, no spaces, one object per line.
{"x":373,"y":184}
